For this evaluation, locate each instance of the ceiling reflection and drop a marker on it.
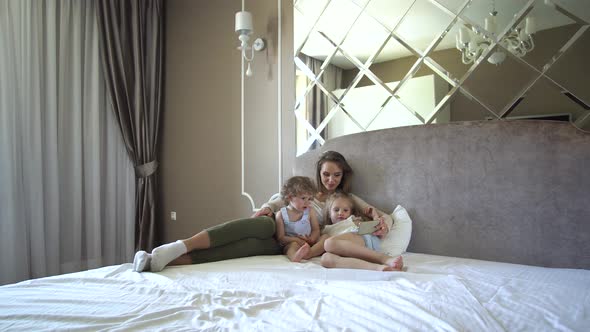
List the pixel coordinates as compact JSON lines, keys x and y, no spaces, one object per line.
{"x":373,"y":64}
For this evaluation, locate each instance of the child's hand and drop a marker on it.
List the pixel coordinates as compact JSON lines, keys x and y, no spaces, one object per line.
{"x":307,"y":239}
{"x":300,"y":240}
{"x":371,"y":212}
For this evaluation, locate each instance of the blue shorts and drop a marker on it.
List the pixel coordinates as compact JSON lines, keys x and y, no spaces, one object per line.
{"x":372,"y":242}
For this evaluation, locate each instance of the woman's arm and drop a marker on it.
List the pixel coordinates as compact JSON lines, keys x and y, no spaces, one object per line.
{"x":315,"y":226}
{"x":270,"y":208}
{"x":362,"y":206}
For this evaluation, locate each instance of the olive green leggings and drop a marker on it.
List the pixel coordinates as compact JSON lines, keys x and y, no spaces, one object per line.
{"x":239,"y":238}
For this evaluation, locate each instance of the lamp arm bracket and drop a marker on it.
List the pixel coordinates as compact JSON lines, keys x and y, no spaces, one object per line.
{"x":259,"y":44}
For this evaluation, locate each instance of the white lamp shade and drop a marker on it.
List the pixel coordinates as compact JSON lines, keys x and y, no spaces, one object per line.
{"x":530,"y":26}
{"x":464,"y":35}
{"x":244,"y":22}
{"x":497,"y":58}
{"x":490,"y":24}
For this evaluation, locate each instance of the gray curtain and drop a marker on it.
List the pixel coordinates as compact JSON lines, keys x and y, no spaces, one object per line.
{"x":132,"y":44}
{"x":317,"y":102}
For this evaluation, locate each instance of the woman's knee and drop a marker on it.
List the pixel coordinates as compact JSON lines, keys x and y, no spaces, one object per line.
{"x":265,"y":226}
{"x":235,"y":230}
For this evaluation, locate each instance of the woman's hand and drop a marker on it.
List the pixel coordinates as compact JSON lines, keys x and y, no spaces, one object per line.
{"x":263,"y":212}
{"x":382,"y":228}
{"x":371,"y":212}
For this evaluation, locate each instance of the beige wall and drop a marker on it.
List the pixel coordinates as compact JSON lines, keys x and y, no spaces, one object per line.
{"x":200,"y":174}
{"x":200,"y":157}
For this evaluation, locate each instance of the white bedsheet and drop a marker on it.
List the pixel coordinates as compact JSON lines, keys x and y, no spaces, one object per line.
{"x":269,"y":293}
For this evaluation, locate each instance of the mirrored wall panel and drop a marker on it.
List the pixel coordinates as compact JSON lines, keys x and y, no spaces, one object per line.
{"x":372,"y":64}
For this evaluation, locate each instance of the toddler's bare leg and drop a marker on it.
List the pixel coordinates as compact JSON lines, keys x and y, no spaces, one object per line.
{"x":334,"y":261}
{"x":318,"y":248}
{"x":353,"y":245}
{"x":394,"y":264}
{"x":292,"y":251}
{"x":301,"y":253}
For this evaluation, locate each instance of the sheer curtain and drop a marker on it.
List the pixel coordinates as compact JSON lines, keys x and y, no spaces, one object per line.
{"x":66,"y":182}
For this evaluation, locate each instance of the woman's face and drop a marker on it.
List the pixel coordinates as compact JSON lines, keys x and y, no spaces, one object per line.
{"x":331,"y":175}
{"x":340,"y":210}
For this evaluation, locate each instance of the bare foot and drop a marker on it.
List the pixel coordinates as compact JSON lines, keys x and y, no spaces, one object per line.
{"x":384,"y":268}
{"x":394,"y":264}
{"x":301,"y":252}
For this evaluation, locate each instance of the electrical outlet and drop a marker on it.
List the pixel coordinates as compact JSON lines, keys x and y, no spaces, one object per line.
{"x":173,"y":215}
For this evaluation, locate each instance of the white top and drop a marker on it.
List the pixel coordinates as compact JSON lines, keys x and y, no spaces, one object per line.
{"x":276,"y":204}
{"x":296,"y":227}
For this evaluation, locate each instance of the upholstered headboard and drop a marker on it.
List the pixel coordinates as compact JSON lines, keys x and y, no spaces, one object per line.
{"x":511,"y":191}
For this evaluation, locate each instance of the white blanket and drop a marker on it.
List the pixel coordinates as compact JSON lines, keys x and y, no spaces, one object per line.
{"x":271,"y":293}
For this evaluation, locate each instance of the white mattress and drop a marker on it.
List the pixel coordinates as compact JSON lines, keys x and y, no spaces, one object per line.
{"x":270,"y":293}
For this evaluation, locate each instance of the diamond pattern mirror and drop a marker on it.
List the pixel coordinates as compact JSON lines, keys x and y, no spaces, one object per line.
{"x":372,"y":64}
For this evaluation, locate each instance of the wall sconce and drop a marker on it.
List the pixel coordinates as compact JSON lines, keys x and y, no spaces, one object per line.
{"x":244,"y":29}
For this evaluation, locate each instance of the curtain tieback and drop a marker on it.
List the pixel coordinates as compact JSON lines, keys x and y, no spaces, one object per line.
{"x":147,"y":169}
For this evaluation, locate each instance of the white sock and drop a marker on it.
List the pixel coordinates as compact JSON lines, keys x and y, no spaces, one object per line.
{"x":141,"y":261}
{"x":165,"y":254}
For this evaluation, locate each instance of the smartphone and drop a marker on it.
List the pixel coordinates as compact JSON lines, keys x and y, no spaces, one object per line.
{"x":368,"y":227}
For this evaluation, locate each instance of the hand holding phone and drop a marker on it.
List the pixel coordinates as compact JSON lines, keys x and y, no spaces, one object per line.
{"x":368,"y":227}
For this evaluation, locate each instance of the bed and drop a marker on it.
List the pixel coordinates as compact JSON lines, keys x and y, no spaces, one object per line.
{"x":270,"y":293}
{"x":481,"y":257}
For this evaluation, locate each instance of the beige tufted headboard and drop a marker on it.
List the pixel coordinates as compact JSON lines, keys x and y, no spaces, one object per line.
{"x":510,"y":191}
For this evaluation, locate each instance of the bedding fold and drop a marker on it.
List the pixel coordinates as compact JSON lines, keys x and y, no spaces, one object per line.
{"x":262,"y":293}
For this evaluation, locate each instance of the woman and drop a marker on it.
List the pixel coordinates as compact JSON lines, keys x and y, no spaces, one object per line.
{"x":254,"y":236}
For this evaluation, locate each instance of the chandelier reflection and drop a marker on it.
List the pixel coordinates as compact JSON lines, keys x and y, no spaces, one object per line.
{"x":473,"y":42}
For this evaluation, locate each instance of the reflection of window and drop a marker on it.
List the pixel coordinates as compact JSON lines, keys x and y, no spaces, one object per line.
{"x":300,"y":85}
{"x":373,"y":109}
{"x":314,"y":105}
{"x":557,"y":63}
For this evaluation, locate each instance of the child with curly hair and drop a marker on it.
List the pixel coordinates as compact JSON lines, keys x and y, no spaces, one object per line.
{"x":297,"y":224}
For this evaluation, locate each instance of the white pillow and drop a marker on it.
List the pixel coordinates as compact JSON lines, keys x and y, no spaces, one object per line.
{"x":397,"y":240}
